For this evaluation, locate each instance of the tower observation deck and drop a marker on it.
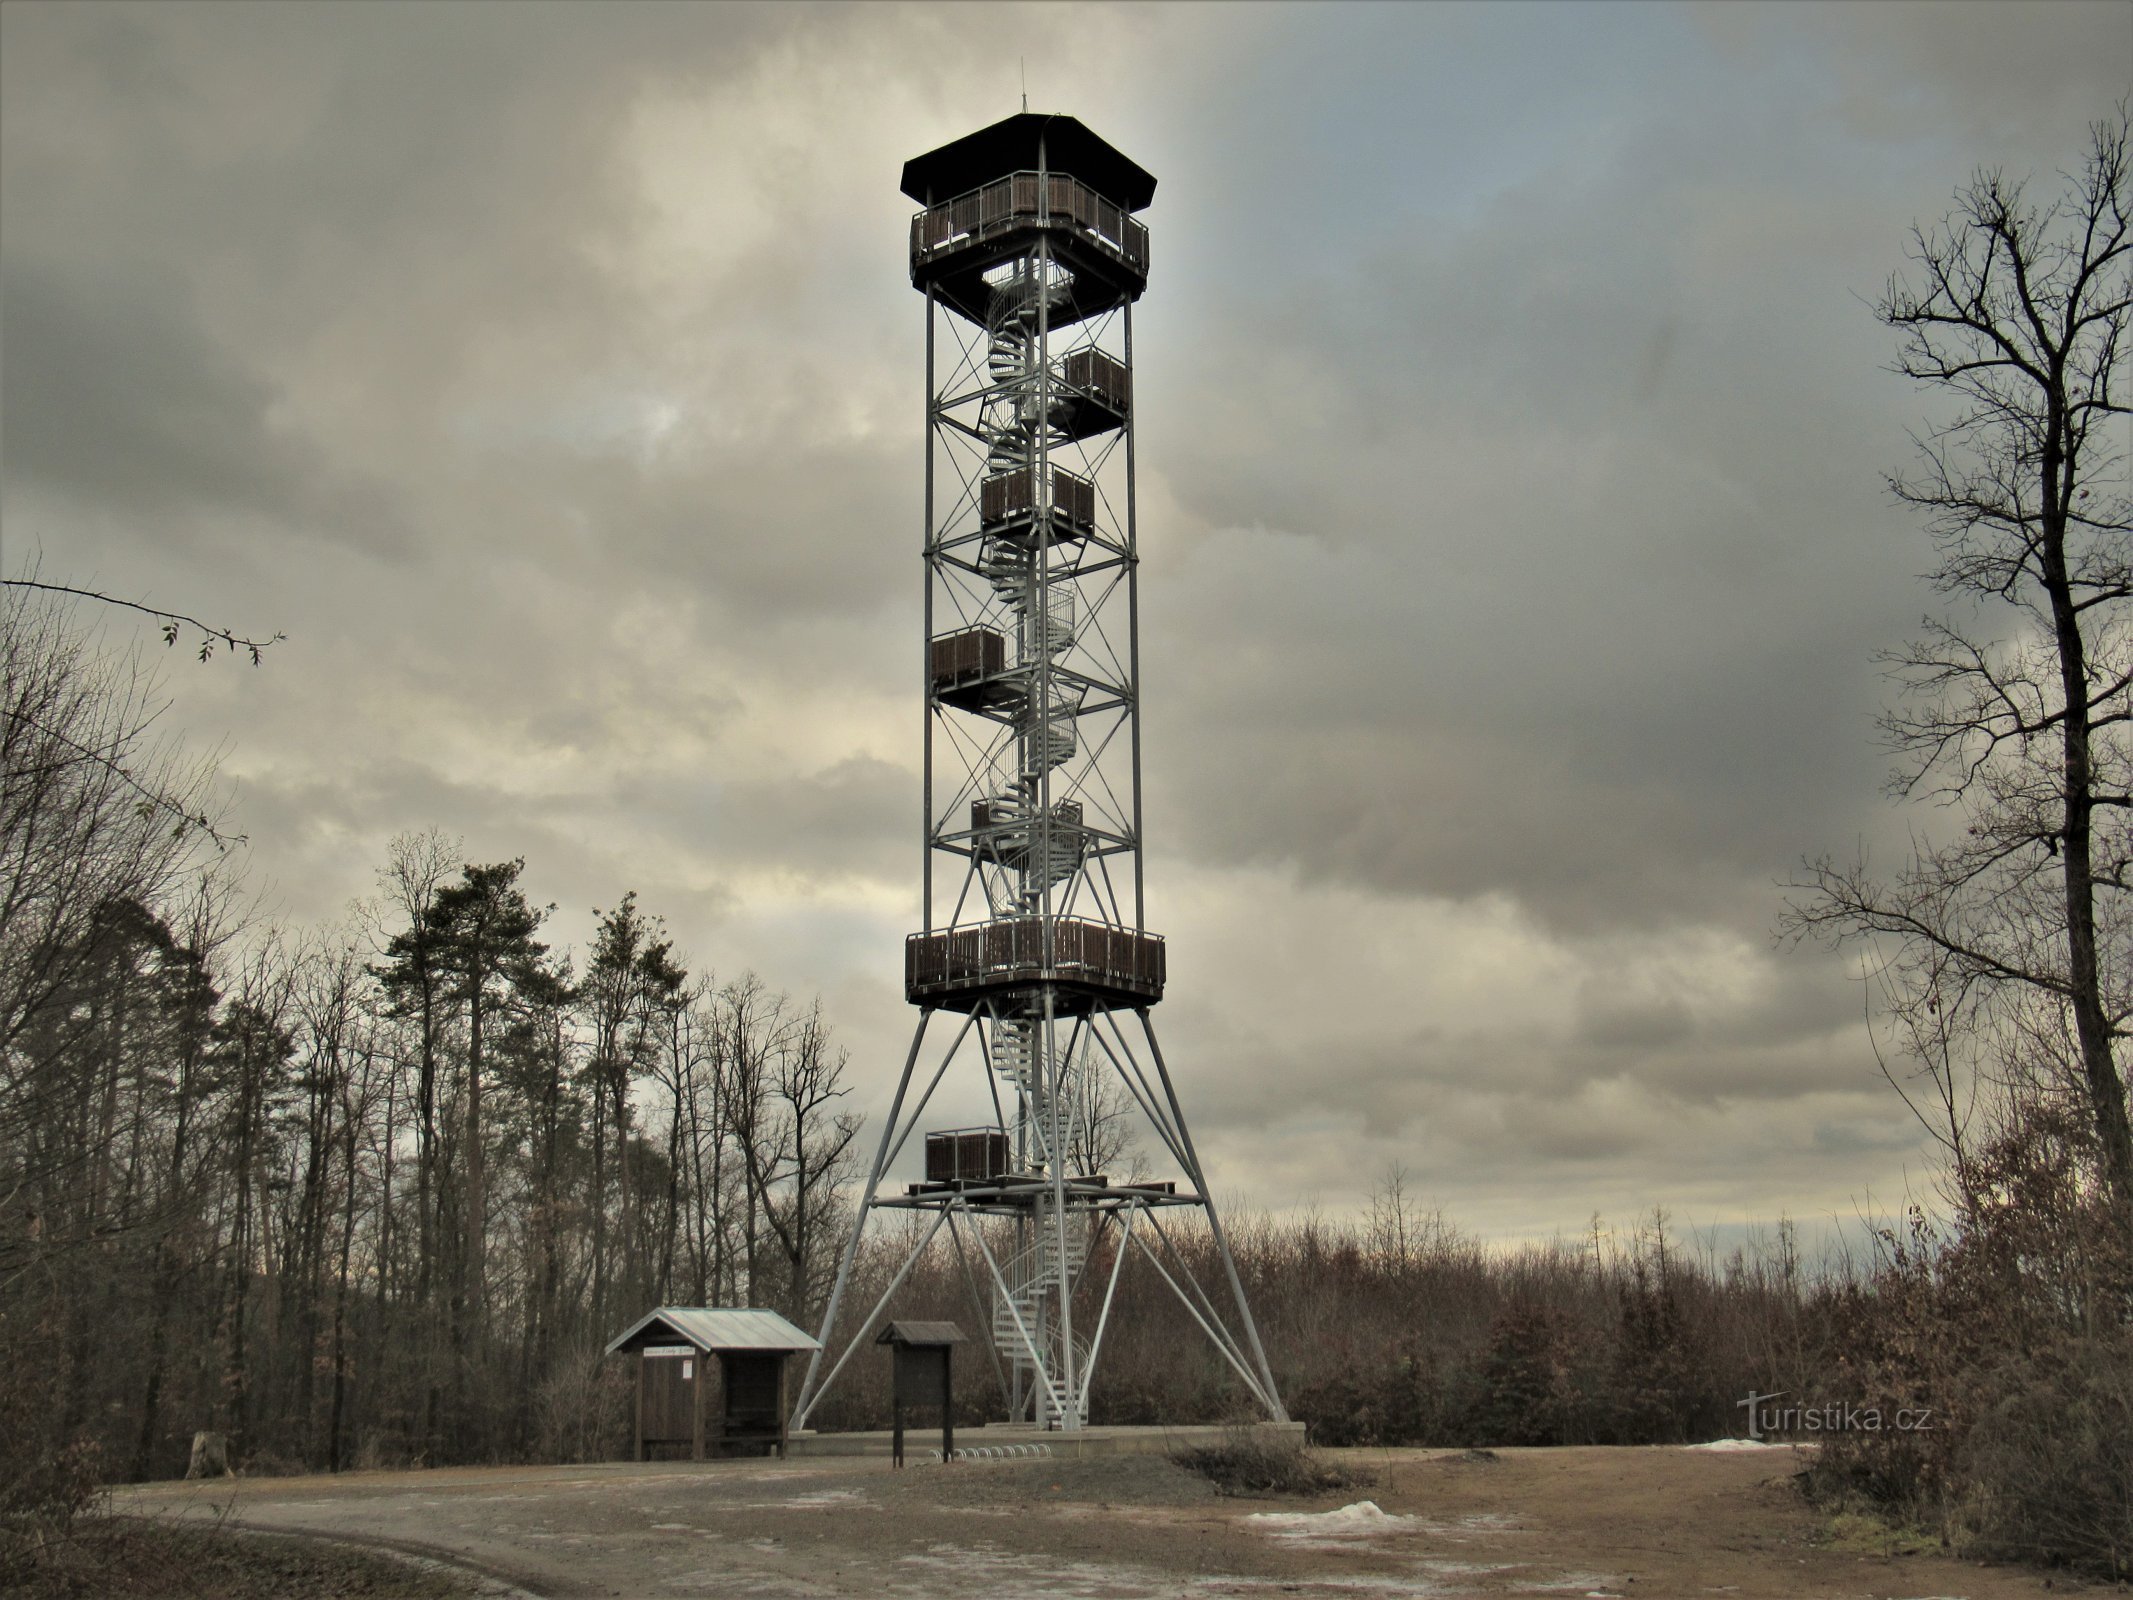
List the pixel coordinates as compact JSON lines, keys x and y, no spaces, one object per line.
{"x":1031,"y":255}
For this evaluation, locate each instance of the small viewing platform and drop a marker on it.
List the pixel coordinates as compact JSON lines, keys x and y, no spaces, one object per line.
{"x":1008,"y":509}
{"x":969,"y":670}
{"x":979,"y":1163}
{"x":1098,"y":391}
{"x":1089,"y":963}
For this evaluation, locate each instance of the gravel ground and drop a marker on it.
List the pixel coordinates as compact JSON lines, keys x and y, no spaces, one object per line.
{"x":1606,"y":1523}
{"x":1020,"y":1485}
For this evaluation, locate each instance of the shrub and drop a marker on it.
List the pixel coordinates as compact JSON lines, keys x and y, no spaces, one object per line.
{"x":2012,"y":1328}
{"x":1256,"y":1461}
{"x":2045,"y":1468}
{"x":48,"y":1481}
{"x":1529,"y":1394}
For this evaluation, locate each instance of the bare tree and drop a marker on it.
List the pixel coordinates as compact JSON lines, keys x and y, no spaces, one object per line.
{"x":1103,"y":1136}
{"x":96,"y":806}
{"x":750,"y":1019}
{"x":2015,"y":706}
{"x":801,"y":1181}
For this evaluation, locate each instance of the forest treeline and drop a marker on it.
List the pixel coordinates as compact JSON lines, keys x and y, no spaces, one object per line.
{"x":377,"y":1194}
{"x":374,"y":1192}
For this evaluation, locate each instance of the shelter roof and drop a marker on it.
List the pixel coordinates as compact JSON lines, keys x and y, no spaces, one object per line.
{"x":713,"y":1328}
{"x":1011,"y":146}
{"x":920,"y":1333}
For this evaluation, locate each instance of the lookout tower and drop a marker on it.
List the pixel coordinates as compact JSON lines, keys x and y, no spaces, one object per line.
{"x":1030,"y":253}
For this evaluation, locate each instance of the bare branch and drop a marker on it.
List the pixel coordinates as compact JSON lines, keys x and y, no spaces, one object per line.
{"x":172,"y":622}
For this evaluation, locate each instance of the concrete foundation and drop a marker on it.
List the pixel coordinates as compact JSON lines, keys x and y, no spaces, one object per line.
{"x":1102,"y":1441}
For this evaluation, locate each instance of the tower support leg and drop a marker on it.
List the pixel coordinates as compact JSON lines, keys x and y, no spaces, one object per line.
{"x":859,"y":1223}
{"x":1214,"y":1223}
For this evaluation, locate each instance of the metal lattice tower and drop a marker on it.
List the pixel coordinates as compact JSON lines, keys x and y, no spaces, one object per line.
{"x":1030,"y":257}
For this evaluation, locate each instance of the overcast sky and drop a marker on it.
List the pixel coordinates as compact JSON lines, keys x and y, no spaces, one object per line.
{"x":1512,"y":431}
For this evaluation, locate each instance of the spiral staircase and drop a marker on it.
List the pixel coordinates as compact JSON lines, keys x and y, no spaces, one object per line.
{"x":1020,"y":426}
{"x":1022,"y":423}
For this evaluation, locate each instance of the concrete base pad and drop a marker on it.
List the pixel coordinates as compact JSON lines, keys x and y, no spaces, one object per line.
{"x":1098,"y":1441}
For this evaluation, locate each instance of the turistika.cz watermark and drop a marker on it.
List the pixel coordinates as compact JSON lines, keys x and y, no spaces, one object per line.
{"x":1842,"y":1417}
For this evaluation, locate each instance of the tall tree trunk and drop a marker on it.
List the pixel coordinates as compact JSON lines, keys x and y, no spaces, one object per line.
{"x":477,"y":1242}
{"x":551,"y":1267}
{"x":628,"y":1276}
{"x":235,"y":1407}
{"x":598,"y":1205}
{"x":337,"y":1406}
{"x":165,"y":1276}
{"x":2092,"y":1028}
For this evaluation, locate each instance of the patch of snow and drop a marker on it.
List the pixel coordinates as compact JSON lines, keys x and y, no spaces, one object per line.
{"x":1415,"y":1587}
{"x":1364,"y":1517}
{"x":1363,"y":1520}
{"x":1728,"y":1446}
{"x":846,"y":1498}
{"x":987,"y":1569}
{"x":1589,"y":1584}
{"x":1464,"y":1529}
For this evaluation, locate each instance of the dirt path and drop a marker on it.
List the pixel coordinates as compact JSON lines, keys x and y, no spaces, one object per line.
{"x":1634,"y":1523}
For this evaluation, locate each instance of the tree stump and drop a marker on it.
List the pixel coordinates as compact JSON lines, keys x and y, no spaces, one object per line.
{"x":211,"y":1456}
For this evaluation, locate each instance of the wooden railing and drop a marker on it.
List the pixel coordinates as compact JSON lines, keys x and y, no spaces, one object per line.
{"x":1009,"y":495}
{"x":1012,"y":950}
{"x":967,"y":657}
{"x":1104,"y":379}
{"x":966,"y":1154}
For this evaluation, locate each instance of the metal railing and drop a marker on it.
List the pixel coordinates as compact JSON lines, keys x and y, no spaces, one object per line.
{"x":1012,"y":202}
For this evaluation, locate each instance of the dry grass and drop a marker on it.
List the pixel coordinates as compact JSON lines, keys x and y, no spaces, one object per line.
{"x":1865,"y":1534}
{"x":134,"y":1558}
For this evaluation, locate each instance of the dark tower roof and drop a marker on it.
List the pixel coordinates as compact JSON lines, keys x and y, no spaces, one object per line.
{"x":1011,"y":146}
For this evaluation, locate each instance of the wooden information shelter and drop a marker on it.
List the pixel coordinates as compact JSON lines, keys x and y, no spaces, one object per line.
{"x":674,"y":1347}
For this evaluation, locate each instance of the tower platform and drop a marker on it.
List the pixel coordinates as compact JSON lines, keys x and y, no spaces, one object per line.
{"x":955,"y":244}
{"x":1086,"y":963}
{"x":1013,"y":1191}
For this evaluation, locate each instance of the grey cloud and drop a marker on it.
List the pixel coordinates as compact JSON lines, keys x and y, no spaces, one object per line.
{"x":1634,"y":1024}
{"x":115,"y":393}
{"x":858,"y":817}
{"x":2004,"y":72}
{"x":1511,"y":500}
{"x":1489,"y":618}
